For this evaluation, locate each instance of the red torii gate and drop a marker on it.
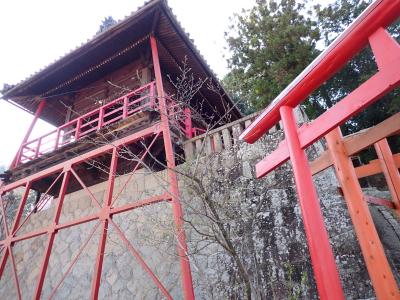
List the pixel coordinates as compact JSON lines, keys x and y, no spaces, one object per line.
{"x":369,"y":27}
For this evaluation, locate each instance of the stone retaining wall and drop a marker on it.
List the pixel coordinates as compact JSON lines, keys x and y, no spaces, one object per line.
{"x":263,"y":217}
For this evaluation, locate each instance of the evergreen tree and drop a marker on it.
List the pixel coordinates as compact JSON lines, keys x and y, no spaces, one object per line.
{"x":332,"y":20}
{"x":270,"y":45}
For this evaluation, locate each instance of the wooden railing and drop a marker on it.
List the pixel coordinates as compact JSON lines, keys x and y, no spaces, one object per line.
{"x":143,"y":98}
{"x":180,"y":117}
{"x":219,"y":139}
{"x":118,"y":109}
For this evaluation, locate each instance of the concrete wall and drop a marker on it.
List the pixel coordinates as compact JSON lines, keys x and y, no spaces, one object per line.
{"x":262,"y":216}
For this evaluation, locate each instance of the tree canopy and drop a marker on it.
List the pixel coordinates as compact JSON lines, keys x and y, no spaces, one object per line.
{"x":275,"y":40}
{"x":332,"y":20}
{"x":270,"y":45}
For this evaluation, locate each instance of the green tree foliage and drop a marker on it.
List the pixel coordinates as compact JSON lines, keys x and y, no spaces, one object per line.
{"x":270,"y":45}
{"x":332,"y":20}
{"x":275,"y":40}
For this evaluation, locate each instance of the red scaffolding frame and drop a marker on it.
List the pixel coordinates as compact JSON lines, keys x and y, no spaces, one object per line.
{"x":369,"y":27}
{"x":106,"y":207}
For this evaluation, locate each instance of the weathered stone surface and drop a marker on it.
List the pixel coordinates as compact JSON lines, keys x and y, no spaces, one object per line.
{"x":264,"y":220}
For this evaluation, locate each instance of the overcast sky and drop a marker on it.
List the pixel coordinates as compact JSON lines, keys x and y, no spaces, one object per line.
{"x":35,"y":33}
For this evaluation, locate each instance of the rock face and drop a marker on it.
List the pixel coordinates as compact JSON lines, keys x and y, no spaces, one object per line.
{"x":262,"y":219}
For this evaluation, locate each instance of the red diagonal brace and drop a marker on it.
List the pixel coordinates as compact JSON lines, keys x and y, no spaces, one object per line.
{"x":52,"y":233}
{"x":390,"y":171}
{"x":140,"y":260}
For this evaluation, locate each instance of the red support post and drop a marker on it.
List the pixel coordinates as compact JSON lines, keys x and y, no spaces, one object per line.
{"x":101,"y":118}
{"x":38,"y":112}
{"x":323,"y":262}
{"x":14,"y":271}
{"x":37,"y":149}
{"x":104,"y":216}
{"x":78,"y":128}
{"x":3,"y":260}
{"x":57,"y":138}
{"x":125,"y":108}
{"x":187,"y":283}
{"x":152,"y":96}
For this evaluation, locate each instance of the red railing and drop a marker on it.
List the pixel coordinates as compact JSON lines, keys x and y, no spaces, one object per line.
{"x":138,"y":100}
{"x":118,"y":109}
{"x":180,"y":117}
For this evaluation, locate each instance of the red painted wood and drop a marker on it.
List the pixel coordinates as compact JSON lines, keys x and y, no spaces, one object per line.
{"x":187,"y":283}
{"x":38,"y":112}
{"x":52,"y":233}
{"x":375,"y":259}
{"x":104,"y":216}
{"x":387,"y":79}
{"x":323,"y":262}
{"x":379,"y":14}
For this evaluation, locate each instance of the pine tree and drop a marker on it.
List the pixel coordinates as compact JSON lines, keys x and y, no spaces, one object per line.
{"x":270,"y":45}
{"x":332,"y":20}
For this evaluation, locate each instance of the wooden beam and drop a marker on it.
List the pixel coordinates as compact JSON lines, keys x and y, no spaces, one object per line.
{"x":375,"y":259}
{"x":323,"y":162}
{"x":379,"y":201}
{"x":374,"y":167}
{"x":390,"y":171}
{"x":363,"y":139}
{"x":155,"y":20}
{"x":357,"y":142}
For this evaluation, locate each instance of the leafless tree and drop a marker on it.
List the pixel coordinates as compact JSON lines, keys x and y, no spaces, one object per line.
{"x":215,"y":217}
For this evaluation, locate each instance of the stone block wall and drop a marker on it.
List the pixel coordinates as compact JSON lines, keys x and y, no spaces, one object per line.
{"x":262,"y":217}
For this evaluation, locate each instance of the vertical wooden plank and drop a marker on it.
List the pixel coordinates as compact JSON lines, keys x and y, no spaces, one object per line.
{"x":217,"y":142}
{"x":390,"y":171}
{"x":187,"y":284}
{"x":189,"y":150}
{"x":199,"y":147}
{"x":374,"y":256}
{"x":226,"y":136}
{"x":323,"y":261}
{"x":209,"y":147}
{"x":236,"y":132}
